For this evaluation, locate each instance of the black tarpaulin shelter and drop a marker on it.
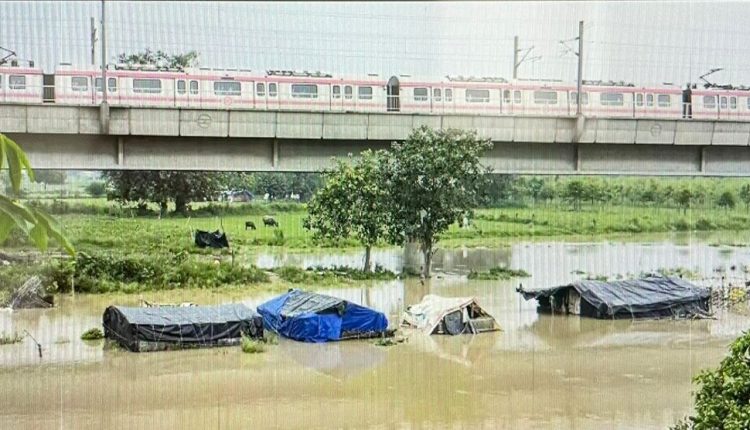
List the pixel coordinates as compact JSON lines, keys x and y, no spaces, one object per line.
{"x":213,"y":240}
{"x":650,"y":297}
{"x":166,"y":327}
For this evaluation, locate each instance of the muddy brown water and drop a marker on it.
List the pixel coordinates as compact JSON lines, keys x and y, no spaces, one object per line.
{"x":540,"y":372}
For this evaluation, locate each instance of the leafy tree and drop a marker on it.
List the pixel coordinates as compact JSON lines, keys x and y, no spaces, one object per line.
{"x":96,"y":189}
{"x":498,"y":189}
{"x":304,"y":184}
{"x":160,"y":59}
{"x":33,"y":222}
{"x":353,"y":202}
{"x":51,"y":177}
{"x":745,"y":195}
{"x":162,"y":187}
{"x":574,"y":192}
{"x":275,"y":184}
{"x":535,"y":187}
{"x":722,"y":400}
{"x":684,"y":197}
{"x":433,"y":179}
{"x":727,"y":200}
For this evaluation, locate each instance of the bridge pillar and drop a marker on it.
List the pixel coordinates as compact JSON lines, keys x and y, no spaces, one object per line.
{"x":275,"y":154}
{"x":104,"y":117}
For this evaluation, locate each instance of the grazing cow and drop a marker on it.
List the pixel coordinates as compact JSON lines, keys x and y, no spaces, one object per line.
{"x":270,"y":222}
{"x":250,"y":225}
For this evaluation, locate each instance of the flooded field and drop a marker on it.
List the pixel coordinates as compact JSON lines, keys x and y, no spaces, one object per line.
{"x":540,"y":372}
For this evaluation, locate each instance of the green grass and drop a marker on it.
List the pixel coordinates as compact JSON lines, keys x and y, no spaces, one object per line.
{"x":331,"y":275}
{"x":7,"y":339}
{"x":252,"y":346}
{"x":92,"y":334}
{"x":498,"y":273}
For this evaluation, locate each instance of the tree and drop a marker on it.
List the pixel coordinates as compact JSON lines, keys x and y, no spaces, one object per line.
{"x":722,"y":400}
{"x":574,"y":192}
{"x":33,"y":222}
{"x":353,"y":202}
{"x":727,"y":200}
{"x":745,"y":195}
{"x":160,"y":59}
{"x":433,"y":179}
{"x":684,"y":197}
{"x":162,"y":187}
{"x":304,"y":184}
{"x":96,"y":189}
{"x":51,"y":177}
{"x":275,"y":184}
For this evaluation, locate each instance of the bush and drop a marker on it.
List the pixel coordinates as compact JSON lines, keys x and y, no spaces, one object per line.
{"x":722,"y":400}
{"x":252,"y":346}
{"x":7,"y":339}
{"x":96,"y":189}
{"x":704,"y":224}
{"x":498,"y":273}
{"x":92,"y":334}
{"x":278,"y":238}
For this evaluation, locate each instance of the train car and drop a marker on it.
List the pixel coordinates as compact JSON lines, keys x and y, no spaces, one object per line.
{"x":21,"y":84}
{"x":538,"y":97}
{"x":358,"y":94}
{"x":721,"y":102}
{"x":658,"y":101}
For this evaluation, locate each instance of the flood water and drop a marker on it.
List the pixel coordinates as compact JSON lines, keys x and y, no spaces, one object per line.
{"x":540,"y":372}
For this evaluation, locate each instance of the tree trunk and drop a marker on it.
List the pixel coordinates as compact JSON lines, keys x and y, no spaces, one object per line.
{"x":180,"y":205}
{"x":163,"y":207}
{"x":427,"y":255}
{"x":368,"y":250}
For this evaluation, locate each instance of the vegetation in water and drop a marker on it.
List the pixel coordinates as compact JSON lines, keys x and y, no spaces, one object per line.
{"x":498,"y":273}
{"x":252,"y":346}
{"x":721,"y":401}
{"x":92,"y":334}
{"x":331,"y":275}
{"x":7,"y":339}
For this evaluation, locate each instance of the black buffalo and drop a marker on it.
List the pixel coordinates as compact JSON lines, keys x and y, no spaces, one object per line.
{"x":270,"y":222}
{"x":250,"y":225}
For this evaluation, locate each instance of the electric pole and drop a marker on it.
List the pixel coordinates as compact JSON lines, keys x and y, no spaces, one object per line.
{"x":516,"y":61}
{"x":580,"y":66}
{"x":104,"y":109}
{"x":93,"y":41}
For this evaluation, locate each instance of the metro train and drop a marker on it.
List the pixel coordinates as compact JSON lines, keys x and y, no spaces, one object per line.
{"x":147,"y":86}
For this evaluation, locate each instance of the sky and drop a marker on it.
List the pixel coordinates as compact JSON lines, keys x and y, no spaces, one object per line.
{"x":639,"y":42}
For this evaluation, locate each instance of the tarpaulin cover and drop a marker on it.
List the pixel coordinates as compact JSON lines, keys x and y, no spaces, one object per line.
{"x":647,"y":297}
{"x":212,"y":240}
{"x":183,"y":325}
{"x":427,"y":314}
{"x":312,"y":317}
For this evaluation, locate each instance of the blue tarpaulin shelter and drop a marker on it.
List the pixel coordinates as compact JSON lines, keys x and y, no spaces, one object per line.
{"x":312,"y":317}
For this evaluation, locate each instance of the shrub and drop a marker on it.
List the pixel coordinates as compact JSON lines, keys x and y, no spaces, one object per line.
{"x":498,"y":273}
{"x":7,"y":339}
{"x":92,"y":334}
{"x":278,"y":238}
{"x":252,"y":346}
{"x":96,"y":189}
{"x":722,"y":400}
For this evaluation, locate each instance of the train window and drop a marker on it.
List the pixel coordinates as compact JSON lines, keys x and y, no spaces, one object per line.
{"x":181,"y":87}
{"x":336,"y":91}
{"x":649,"y":99}
{"x":151,"y":86}
{"x":193,"y":87}
{"x":709,"y":102}
{"x":449,"y":95}
{"x":112,"y":85}
{"x":364,"y":93}
{"x":477,"y":96}
{"x":506,"y":96}
{"x":732,"y":102}
{"x":639,"y":99}
{"x":98,"y":84}
{"x":748,"y":99}
{"x":574,"y":98}
{"x":260,"y":89}
{"x":16,"y":82}
{"x":723,"y":101}
{"x":545,"y":97}
{"x":306,"y":91}
{"x":79,"y":83}
{"x":437,"y":94}
{"x":227,"y":88}
{"x":421,"y":95}
{"x":517,"y":97}
{"x":664,"y":100}
{"x":348,"y":92}
{"x":611,"y":99}
{"x":272,"y":90}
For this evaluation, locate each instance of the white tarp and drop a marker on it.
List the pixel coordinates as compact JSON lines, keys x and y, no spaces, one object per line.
{"x":427,"y":314}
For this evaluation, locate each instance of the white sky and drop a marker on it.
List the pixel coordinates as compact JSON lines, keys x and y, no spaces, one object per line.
{"x":644,"y":42}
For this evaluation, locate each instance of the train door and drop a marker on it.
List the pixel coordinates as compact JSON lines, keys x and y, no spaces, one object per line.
{"x":260,"y":95}
{"x":448,"y":100}
{"x":506,"y":103}
{"x":348,"y":103}
{"x":194,"y":93}
{"x":181,"y":96}
{"x":392,"y":95}
{"x":437,"y":100}
{"x":48,"y":88}
{"x":336,"y":98}
{"x":272,"y":99}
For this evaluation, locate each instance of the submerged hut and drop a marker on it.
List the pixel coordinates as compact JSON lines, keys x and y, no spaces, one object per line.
{"x":449,"y":315}
{"x":650,"y":297}
{"x":312,"y":317}
{"x":141,"y":329}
